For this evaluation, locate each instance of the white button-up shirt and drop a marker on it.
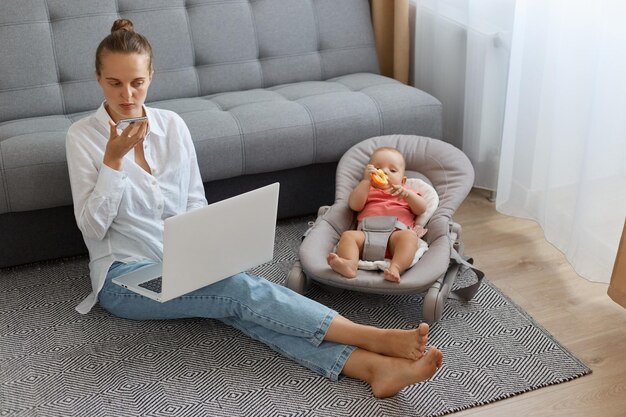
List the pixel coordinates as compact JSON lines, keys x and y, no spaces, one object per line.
{"x":121,"y":213}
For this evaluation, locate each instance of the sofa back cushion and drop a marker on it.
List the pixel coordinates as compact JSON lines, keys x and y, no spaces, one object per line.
{"x":201,"y":47}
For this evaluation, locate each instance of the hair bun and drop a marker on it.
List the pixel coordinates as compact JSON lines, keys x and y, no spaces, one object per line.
{"x":122,"y":25}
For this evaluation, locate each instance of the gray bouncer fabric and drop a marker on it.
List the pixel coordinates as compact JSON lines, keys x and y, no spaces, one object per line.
{"x":438,"y":163}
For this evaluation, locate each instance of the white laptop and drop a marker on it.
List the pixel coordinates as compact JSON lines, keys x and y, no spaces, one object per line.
{"x":206,"y":245}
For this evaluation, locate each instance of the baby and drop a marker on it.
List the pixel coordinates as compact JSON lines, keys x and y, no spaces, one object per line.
{"x":373,"y":198}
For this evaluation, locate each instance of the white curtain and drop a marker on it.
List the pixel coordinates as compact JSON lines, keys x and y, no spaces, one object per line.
{"x":563,"y":159}
{"x":534,"y":92}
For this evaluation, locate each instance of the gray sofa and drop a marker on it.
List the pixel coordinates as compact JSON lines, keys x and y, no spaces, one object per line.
{"x":272,"y":90}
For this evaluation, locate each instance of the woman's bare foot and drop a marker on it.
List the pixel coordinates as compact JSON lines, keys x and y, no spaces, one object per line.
{"x":390,"y":375}
{"x":341,"y":266}
{"x":407,"y":344}
{"x":399,"y":343}
{"x":392,"y":273}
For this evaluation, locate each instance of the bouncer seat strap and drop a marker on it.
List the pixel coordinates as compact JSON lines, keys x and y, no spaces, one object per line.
{"x":377,"y":230}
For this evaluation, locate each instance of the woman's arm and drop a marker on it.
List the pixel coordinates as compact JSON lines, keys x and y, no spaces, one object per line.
{"x":195,"y":196}
{"x":97,"y":189}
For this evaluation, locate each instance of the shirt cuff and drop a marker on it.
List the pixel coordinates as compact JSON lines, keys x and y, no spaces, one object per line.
{"x":110,"y":182}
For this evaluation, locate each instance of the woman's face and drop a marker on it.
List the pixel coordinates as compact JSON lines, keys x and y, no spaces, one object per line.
{"x":124,"y":79}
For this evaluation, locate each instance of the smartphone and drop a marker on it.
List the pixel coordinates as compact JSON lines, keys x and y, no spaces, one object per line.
{"x":124,"y":123}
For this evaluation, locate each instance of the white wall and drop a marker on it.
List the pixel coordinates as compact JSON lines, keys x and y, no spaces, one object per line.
{"x":460,"y":55}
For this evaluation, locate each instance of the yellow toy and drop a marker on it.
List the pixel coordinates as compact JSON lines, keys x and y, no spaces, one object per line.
{"x":379,"y":178}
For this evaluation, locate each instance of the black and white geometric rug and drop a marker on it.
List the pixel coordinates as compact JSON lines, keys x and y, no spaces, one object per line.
{"x":56,"y":362}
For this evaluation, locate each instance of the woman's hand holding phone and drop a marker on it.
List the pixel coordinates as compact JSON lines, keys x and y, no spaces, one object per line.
{"x":124,"y":123}
{"x":120,"y":144}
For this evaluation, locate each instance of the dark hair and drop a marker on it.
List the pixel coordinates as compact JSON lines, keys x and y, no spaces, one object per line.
{"x":123,"y":39}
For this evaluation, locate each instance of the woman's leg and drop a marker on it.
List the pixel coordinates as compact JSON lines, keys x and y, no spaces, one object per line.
{"x":408,"y":344}
{"x":289,"y":323}
{"x":293,"y":325}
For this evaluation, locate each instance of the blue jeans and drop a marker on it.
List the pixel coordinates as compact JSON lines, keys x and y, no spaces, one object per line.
{"x":290,"y":324}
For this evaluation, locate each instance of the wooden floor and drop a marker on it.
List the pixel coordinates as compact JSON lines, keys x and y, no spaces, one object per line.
{"x":516,"y":258}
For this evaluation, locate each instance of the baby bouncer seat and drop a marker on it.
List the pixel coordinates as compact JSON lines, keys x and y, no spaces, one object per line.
{"x":444,"y":175}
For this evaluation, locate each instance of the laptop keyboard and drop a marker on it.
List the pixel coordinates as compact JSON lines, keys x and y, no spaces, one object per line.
{"x":153,"y":285}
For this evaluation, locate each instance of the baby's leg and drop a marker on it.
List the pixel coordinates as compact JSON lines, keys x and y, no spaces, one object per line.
{"x":346,"y":260}
{"x":402,"y":246}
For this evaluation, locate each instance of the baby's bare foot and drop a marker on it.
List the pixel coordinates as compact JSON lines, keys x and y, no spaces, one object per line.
{"x":407,"y":344}
{"x":392,"y":274}
{"x":341,"y":266}
{"x":391,"y":375}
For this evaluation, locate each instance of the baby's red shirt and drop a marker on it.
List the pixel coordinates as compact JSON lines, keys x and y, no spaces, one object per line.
{"x":381,"y":203}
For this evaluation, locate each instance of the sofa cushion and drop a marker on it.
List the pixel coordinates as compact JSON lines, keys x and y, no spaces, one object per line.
{"x":235,"y":133}
{"x":201,"y":47}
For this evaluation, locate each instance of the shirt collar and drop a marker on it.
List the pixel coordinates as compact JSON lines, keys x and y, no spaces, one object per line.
{"x":154,"y":127}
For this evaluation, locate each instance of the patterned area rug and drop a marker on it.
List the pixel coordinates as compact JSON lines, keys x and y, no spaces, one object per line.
{"x":56,"y":362}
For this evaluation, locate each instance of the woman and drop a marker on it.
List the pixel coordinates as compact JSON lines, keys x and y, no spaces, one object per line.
{"x":125,"y":183}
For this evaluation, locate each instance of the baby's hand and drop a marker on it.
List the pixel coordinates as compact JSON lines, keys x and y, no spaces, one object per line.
{"x":367,"y":173}
{"x":399,"y":191}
